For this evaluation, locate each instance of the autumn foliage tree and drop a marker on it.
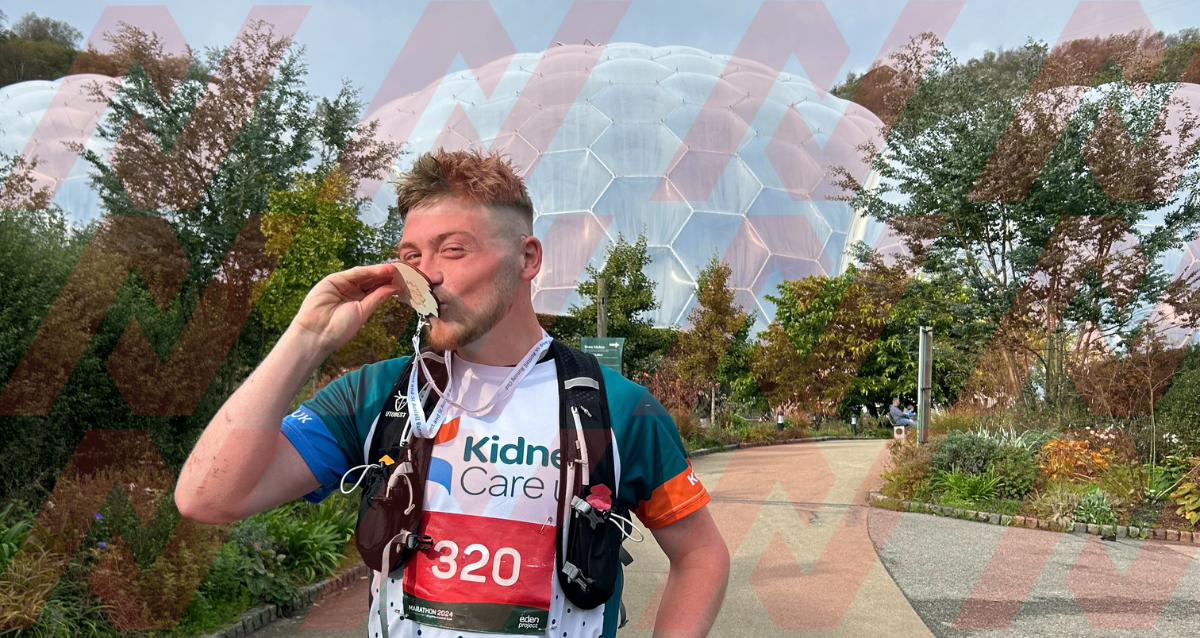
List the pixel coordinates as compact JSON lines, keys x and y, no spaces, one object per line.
{"x":717,"y":328}
{"x":1055,"y":218}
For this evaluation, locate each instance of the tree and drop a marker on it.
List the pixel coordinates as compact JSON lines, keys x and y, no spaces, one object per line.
{"x":1072,"y":228}
{"x":45,"y":29}
{"x":715,"y":322}
{"x":272,"y":153}
{"x":789,"y":366}
{"x":716,"y":346}
{"x":630,"y":298}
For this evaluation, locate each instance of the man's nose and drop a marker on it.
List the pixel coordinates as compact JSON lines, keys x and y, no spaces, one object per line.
{"x":430,"y":268}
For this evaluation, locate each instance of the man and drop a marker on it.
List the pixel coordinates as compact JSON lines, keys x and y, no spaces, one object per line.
{"x":493,"y":475}
{"x":899,"y":417}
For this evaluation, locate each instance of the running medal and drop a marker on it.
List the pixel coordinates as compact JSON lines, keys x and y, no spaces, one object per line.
{"x":420,"y":290}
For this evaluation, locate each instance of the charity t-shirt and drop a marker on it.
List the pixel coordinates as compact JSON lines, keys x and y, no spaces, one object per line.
{"x":491,"y":496}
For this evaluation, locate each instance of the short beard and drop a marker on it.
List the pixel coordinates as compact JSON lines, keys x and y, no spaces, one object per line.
{"x":482,"y":319}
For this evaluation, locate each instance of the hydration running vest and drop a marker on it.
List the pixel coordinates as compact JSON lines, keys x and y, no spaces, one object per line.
{"x":588,"y":553}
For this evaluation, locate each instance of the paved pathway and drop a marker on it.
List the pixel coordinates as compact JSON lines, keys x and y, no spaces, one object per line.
{"x":1022,"y":582}
{"x":795,"y":518}
{"x":810,"y":558}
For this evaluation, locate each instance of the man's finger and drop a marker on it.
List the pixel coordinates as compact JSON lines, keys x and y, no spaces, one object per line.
{"x":368,"y":277}
{"x":361,"y":280}
{"x":371,"y":303}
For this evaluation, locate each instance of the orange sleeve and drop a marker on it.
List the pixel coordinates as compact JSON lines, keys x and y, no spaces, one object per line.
{"x":679,"y":496}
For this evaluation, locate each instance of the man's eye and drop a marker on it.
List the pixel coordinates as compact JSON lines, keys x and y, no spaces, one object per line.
{"x":453,"y":250}
{"x":411,"y":257}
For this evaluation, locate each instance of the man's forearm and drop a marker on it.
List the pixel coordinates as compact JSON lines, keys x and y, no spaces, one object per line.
{"x":235,"y":449}
{"x":694,"y":593}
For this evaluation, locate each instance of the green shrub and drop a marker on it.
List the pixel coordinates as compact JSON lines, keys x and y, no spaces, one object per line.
{"x":1178,"y":411}
{"x":1165,"y":476}
{"x":1094,"y":508}
{"x":1017,"y":471}
{"x":11,"y":536}
{"x":910,"y":466}
{"x":965,"y":452}
{"x":312,"y":537}
{"x":265,"y":574}
{"x":1007,"y":436}
{"x":1056,"y":502}
{"x":971,"y":488}
{"x":261,"y":561}
{"x":1123,"y":483}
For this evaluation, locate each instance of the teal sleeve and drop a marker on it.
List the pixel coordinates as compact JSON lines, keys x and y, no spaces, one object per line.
{"x":330,"y":429}
{"x":656,"y":477}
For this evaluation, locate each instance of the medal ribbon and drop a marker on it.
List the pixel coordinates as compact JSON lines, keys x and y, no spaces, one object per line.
{"x":427,"y":427}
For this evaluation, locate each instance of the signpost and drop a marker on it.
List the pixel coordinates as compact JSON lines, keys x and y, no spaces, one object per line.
{"x":608,"y":350}
{"x":924,"y":382}
{"x":601,"y":307}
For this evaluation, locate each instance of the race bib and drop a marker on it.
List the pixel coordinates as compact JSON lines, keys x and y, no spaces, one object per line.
{"x":484,"y":574}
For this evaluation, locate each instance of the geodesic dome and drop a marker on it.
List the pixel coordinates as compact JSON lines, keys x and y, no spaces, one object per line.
{"x":23,"y":106}
{"x":617,"y":140}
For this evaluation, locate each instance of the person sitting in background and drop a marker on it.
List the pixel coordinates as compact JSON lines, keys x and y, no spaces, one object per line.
{"x":898,"y":416}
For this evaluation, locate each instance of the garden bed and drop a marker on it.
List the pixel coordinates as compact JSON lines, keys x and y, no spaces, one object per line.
{"x":744,"y":433}
{"x":1089,"y":479}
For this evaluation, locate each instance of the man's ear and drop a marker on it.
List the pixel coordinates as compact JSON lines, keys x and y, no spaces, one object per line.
{"x":531,"y":257}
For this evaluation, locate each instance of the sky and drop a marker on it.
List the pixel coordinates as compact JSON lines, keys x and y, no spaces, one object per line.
{"x":359,"y":41}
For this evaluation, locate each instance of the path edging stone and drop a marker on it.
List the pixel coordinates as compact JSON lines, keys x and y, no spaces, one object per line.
{"x":875,"y":499}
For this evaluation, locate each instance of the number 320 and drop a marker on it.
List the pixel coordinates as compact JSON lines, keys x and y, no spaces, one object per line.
{"x":468,"y":574}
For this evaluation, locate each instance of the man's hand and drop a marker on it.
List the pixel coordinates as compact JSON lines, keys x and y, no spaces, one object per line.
{"x":338,"y":306}
{"x":243,"y":463}
{"x":698,"y":577}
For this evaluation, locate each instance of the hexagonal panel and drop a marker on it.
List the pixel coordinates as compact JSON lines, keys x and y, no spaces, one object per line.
{"x":690,"y":63}
{"x":631,"y":71}
{"x":734,"y":191}
{"x":838,"y":215}
{"x":623,"y":51}
{"x":636,"y":150}
{"x":767,"y":284}
{"x":578,"y":126}
{"x":836,"y":247}
{"x":567,"y":181}
{"x":487,"y":118}
{"x":636,"y":103}
{"x":746,"y":255}
{"x":776,"y":202}
{"x":791,"y":237}
{"x":627,"y":200}
{"x":699,"y":88}
{"x":719,"y":130}
{"x":703,"y":236}
{"x":674,"y":286}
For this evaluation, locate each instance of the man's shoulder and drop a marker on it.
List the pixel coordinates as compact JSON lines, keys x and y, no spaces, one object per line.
{"x":627,"y":398}
{"x":366,"y":384}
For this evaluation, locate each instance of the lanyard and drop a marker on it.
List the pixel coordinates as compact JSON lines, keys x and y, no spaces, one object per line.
{"x":427,"y":427}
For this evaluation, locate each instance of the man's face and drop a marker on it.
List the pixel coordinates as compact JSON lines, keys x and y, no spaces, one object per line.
{"x":471,"y":256}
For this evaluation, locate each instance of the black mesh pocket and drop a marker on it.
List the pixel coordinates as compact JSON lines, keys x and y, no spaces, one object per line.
{"x":592,"y":560}
{"x":383,"y":514}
